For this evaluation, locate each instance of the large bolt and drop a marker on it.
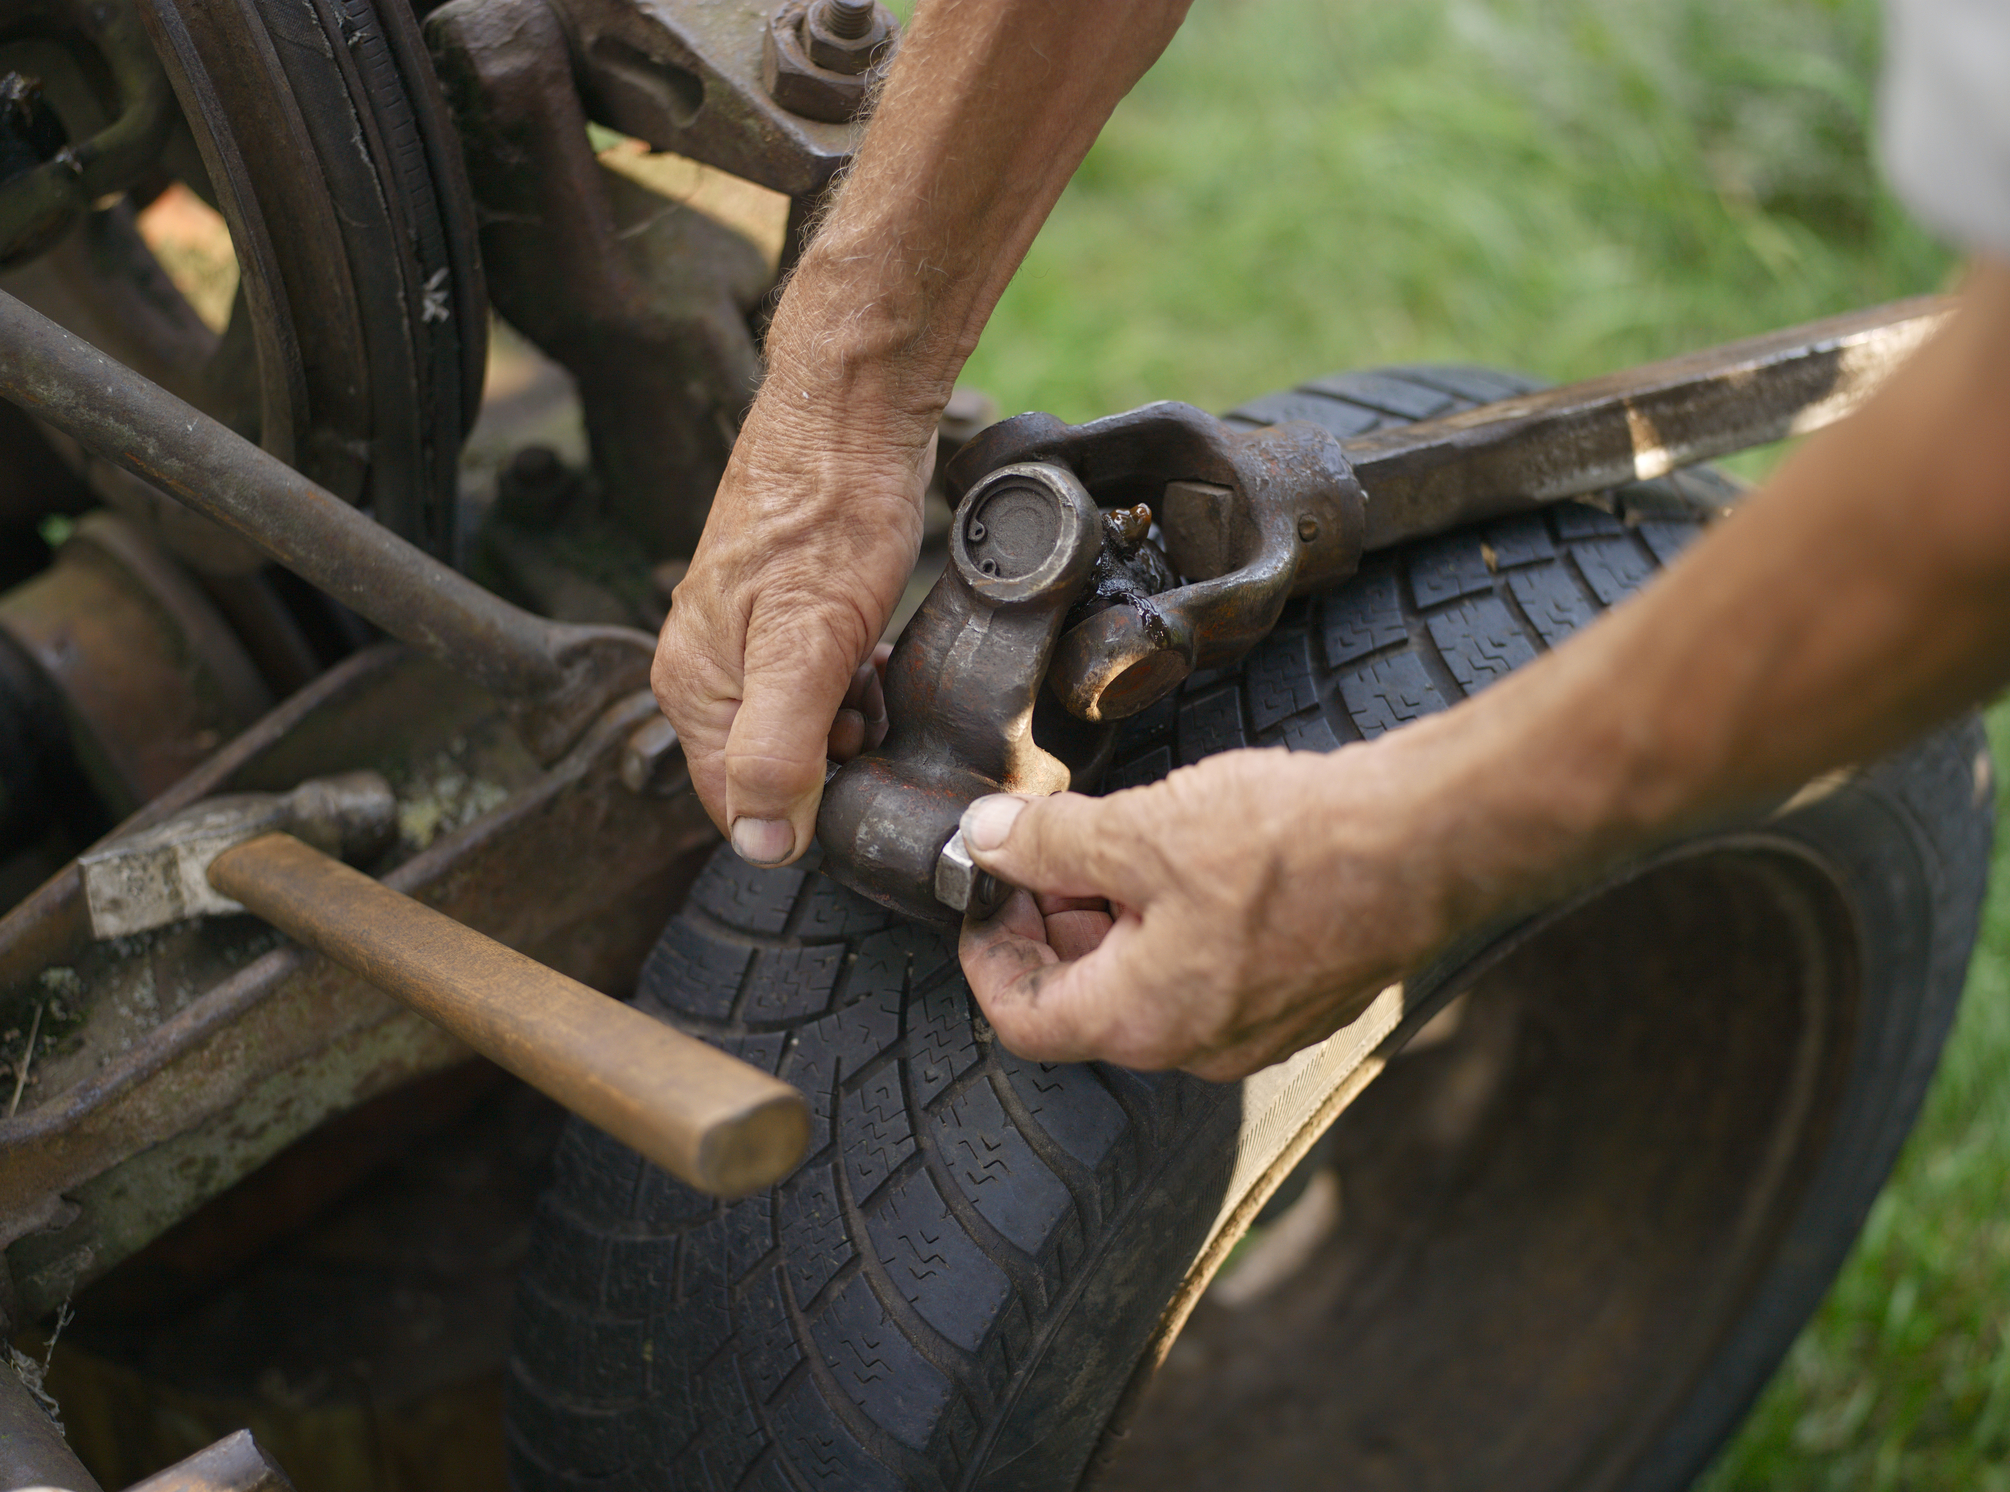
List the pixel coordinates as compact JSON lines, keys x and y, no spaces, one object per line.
{"x":963,"y":886}
{"x":845,"y":36}
{"x":847,"y":20}
{"x":535,"y":488}
{"x":652,"y":762}
{"x":816,"y":58}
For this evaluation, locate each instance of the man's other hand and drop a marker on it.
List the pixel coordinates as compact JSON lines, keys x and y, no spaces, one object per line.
{"x":1216,"y":921}
{"x":766,"y":665}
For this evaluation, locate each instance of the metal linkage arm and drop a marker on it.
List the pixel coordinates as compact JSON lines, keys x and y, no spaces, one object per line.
{"x":1630,"y":426}
{"x":555,"y":678}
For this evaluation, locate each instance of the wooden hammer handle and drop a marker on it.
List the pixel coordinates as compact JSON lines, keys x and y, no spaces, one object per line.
{"x":709,"y":1118}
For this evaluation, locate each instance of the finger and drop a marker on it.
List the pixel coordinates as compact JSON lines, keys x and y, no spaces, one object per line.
{"x":1051,"y":905}
{"x":848,"y":736}
{"x":862,"y":679}
{"x":865,"y":699}
{"x":1075,"y":924}
{"x":700,"y":696}
{"x":1089,"y":1008}
{"x":796,"y":675}
{"x":1010,"y":943}
{"x":873,"y":705}
{"x":1079,"y":931}
{"x":1064,"y":845}
{"x":1021,"y":916}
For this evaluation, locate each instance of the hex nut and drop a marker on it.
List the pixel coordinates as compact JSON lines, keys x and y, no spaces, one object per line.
{"x":801,"y":85}
{"x":830,"y":49}
{"x":535,"y":488}
{"x":962,"y":886}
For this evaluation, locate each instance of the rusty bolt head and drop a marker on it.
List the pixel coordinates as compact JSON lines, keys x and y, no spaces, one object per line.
{"x":652,"y":763}
{"x":833,"y":90}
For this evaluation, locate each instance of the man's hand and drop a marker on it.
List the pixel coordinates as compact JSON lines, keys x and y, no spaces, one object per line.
{"x":766,"y":664}
{"x":1256,"y":902}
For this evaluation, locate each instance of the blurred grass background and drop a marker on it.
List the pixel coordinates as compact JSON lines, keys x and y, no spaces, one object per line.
{"x":1566,"y":187}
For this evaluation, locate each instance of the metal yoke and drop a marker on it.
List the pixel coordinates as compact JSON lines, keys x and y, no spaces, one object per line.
{"x":1042,"y":587}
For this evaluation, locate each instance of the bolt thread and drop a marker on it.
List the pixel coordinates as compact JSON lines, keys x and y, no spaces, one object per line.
{"x":847,"y":19}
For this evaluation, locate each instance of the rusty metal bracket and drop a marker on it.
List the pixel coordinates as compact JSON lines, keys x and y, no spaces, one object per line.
{"x":687,"y":78}
{"x":1633,"y":425}
{"x":43,"y":202}
{"x":648,"y":311}
{"x":260,"y":1043}
{"x":554,"y":678}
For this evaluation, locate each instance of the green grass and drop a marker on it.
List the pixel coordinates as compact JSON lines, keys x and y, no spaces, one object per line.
{"x":1566,"y":187}
{"x":1562,"y":186}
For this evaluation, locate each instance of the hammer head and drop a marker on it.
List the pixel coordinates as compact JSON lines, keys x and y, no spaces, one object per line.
{"x":161,"y":874}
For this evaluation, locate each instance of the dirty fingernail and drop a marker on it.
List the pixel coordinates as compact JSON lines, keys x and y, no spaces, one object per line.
{"x":988,"y":821}
{"x":763,"y":841}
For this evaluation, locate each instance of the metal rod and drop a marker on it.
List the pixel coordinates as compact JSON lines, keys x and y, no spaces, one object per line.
{"x":558,"y":676}
{"x":235,"y":1463}
{"x":720,"y":1124}
{"x":33,"y":1452}
{"x":1630,"y":426}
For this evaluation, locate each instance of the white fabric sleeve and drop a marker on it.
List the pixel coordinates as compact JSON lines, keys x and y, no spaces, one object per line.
{"x":1945,"y":117}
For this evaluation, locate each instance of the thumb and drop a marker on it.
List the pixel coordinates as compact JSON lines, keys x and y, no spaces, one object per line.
{"x":789,"y":695}
{"x":1064,"y":845}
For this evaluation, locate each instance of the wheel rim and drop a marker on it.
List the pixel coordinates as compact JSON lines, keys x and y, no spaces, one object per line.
{"x":1552,"y":1219}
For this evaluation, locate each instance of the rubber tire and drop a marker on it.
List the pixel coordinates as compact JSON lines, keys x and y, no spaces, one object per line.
{"x":391,"y":159}
{"x":956,"y":1287}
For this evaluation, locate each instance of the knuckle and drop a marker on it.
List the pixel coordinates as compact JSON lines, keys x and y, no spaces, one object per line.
{"x":794,"y":630}
{"x":765,"y":777}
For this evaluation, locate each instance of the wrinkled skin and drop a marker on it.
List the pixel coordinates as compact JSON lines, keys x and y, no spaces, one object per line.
{"x":1235,"y":937}
{"x":766,"y":663}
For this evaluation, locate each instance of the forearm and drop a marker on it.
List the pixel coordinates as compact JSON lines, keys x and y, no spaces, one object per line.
{"x":989,"y":108}
{"x":1861,"y":597}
